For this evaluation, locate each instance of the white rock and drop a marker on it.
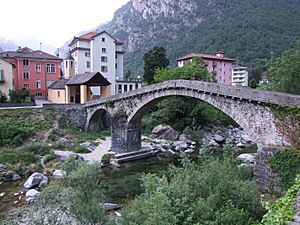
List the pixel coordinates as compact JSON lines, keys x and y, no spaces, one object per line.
{"x":59,"y":173}
{"x":118,"y":214}
{"x":189,"y":151}
{"x":181,"y":146}
{"x":247,"y":158}
{"x":16,"y":177}
{"x":2,"y":194}
{"x":111,"y":206}
{"x":240,"y":145}
{"x":63,"y":155}
{"x":36,"y":179}
{"x":31,"y":195}
{"x":63,"y":142}
{"x":16,"y":194}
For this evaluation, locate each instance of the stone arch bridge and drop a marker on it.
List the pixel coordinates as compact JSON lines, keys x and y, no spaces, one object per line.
{"x":250,"y":108}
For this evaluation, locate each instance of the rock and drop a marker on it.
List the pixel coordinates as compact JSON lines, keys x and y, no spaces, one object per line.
{"x":193,"y":143}
{"x":165,"y":132}
{"x":59,"y":173}
{"x":36,"y":179}
{"x":171,"y":152}
{"x":88,"y":145}
{"x":63,"y":155}
{"x":247,"y":158}
{"x":181,"y":146}
{"x":111,"y":206}
{"x":296,"y":219}
{"x":2,"y":194}
{"x":31,"y":195}
{"x":219,"y":139}
{"x":189,"y":151}
{"x":63,"y":142}
{"x":16,"y":177}
{"x":213,"y":143}
{"x":118,"y":214}
{"x":16,"y":194}
{"x":115,"y":164}
{"x":240,"y":145}
{"x":183,"y":137}
{"x":246,"y":165}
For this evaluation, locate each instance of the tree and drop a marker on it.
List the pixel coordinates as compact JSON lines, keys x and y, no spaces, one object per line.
{"x":127,"y":75}
{"x":253,"y":83}
{"x":154,"y":59}
{"x":284,"y":72}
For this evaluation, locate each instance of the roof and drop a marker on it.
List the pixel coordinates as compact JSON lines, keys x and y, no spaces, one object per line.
{"x":69,"y":56}
{"x":204,"y":56}
{"x":28,"y":53}
{"x":91,"y":79}
{"x":90,"y":35}
{"x":6,"y":60}
{"x":59,"y":84}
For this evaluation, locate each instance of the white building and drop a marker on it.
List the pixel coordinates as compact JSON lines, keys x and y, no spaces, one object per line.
{"x":239,"y":76}
{"x":98,"y":52}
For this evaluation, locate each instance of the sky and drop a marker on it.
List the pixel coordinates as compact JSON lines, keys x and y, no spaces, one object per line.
{"x":53,"y":21}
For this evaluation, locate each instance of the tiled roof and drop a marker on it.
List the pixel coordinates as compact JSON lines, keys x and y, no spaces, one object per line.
{"x":92,"y":79}
{"x":204,"y":56}
{"x":59,"y":84}
{"x":29,"y":53}
{"x":88,"y":35}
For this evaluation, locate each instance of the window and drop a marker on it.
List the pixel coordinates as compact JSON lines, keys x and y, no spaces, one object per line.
{"x":88,"y":64}
{"x":120,"y":88}
{"x":103,"y":39}
{"x":116,"y":66}
{"x":130,"y":87}
{"x":25,"y":62}
{"x":58,"y":93}
{"x":71,"y":64}
{"x":38,"y":94}
{"x":103,"y":59}
{"x":87,"y":54}
{"x":103,"y":68}
{"x":38,"y":67}
{"x":25,"y":75}
{"x":125,"y":88}
{"x":50,"y":68}
{"x":67,"y":64}
{"x":38,"y":84}
{"x":116,"y":56}
{"x":104,"y":50}
{"x":26,"y":86}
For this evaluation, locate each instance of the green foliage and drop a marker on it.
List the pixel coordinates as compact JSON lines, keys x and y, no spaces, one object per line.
{"x":63,"y":122}
{"x":154,"y":59}
{"x":79,"y":149}
{"x":286,"y":164}
{"x":192,"y":71}
{"x":214,"y":193}
{"x":253,"y":83}
{"x":284,"y":72}
{"x":18,"y":125}
{"x":282,"y":210}
{"x":21,"y":95}
{"x":3,"y":98}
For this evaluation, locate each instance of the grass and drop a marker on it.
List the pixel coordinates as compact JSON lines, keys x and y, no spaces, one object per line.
{"x":82,"y":136}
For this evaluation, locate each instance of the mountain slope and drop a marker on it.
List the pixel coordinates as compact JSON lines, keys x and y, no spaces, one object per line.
{"x":245,"y":29}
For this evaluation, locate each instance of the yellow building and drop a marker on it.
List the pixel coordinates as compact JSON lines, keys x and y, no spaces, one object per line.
{"x":76,"y":90}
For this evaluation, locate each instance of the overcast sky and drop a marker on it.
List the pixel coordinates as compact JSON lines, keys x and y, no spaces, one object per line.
{"x":54,"y":21}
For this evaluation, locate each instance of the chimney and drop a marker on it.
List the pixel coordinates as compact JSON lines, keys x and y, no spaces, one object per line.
{"x":19,"y":49}
{"x":220,"y":54}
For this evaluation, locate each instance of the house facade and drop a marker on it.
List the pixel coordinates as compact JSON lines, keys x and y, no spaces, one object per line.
{"x":98,"y":52}
{"x":6,"y":76}
{"x":34,"y":70}
{"x":217,"y":64}
{"x":240,"y":76}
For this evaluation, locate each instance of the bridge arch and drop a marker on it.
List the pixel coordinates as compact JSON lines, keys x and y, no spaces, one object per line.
{"x":97,"y":120}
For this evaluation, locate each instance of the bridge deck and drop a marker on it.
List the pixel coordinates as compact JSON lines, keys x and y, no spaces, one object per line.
{"x":242,"y":93}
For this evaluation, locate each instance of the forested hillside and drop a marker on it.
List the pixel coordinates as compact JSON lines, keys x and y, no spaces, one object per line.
{"x":250,"y":31}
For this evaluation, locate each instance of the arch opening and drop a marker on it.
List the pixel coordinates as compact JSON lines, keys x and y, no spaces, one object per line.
{"x":100,"y":120}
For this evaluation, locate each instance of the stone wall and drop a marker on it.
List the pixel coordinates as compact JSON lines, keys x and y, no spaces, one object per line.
{"x":266,"y":180}
{"x":73,"y":114}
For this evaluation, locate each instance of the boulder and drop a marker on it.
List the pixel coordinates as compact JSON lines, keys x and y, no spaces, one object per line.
{"x":31,"y":195}
{"x":59,"y":173}
{"x":165,"y":132}
{"x":247,"y":158}
{"x":2,"y":167}
{"x":240,"y":145}
{"x":63,"y":155}
{"x":181,"y":146}
{"x":63,"y":142}
{"x":36,"y":179}
{"x":219,"y":139}
{"x":189,"y":151}
{"x":16,"y":177}
{"x":213,"y":143}
{"x":2,"y":194}
{"x":183,"y":137}
{"x":111,"y":206}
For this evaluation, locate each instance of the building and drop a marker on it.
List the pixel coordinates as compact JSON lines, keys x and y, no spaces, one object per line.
{"x":239,"y":76}
{"x":34,"y":70}
{"x":77,"y":88}
{"x":216,"y":64}
{"x":6,"y":76}
{"x":98,"y":52}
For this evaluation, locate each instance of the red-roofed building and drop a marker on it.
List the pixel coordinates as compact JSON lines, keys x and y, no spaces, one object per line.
{"x":34,"y":70}
{"x":217,"y":64}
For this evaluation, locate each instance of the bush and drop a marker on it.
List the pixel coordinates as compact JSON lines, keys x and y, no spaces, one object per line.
{"x":21,"y":95}
{"x":79,"y":149}
{"x":3,"y":98}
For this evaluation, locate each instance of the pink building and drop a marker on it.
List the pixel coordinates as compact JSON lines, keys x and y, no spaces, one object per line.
{"x":217,"y":64}
{"x":34,"y":70}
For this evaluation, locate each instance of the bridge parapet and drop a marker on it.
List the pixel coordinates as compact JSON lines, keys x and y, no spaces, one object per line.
{"x":242,"y":93}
